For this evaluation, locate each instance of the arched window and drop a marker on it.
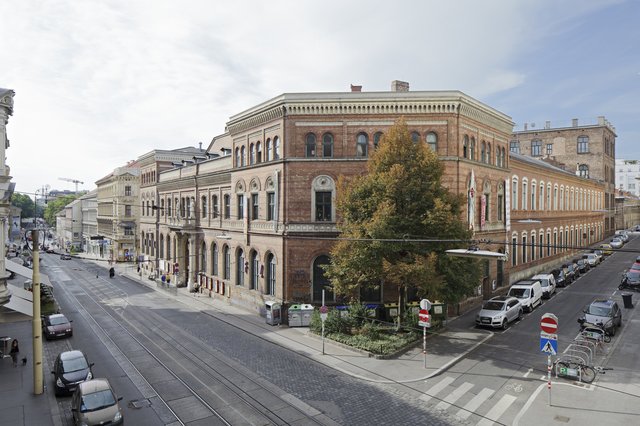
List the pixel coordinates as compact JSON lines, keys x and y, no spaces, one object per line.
{"x":489,"y":158}
{"x":483,"y":152}
{"x":310,"y":144}
{"x":323,"y":190}
{"x":583,"y":170}
{"x":243,"y":156}
{"x":415,"y":137}
{"x":161,"y":254}
{"x":525,"y":194}
{"x":168,"y":207}
{"x":432,"y":141}
{"x":240,"y":268}
{"x":269,"y":155}
{"x":504,"y":158}
{"x":252,"y":154}
{"x":320,"y":281}
{"x":376,"y":139}
{"x":276,"y":148}
{"x":258,"y":152}
{"x":168,"y":242}
{"x":472,"y":148}
{"x":203,"y":258}
{"x":514,"y":193}
{"x":541,"y":197}
{"x":255,"y":270}
{"x":271,"y":274}
{"x":465,"y":146}
{"x":203,"y":203}
{"x":533,"y":195}
{"x":237,"y":157}
{"x":327,"y":145}
{"x":227,"y":263}
{"x":362,"y":141}
{"x":214,"y":259}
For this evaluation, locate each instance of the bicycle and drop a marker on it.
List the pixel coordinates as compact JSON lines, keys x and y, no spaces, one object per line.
{"x":580,"y":370}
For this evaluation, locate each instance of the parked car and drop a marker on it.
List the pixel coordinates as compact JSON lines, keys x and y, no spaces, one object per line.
{"x":528,"y":292}
{"x":95,"y":403}
{"x":70,"y":369}
{"x":548,"y":284}
{"x":569,"y":273}
{"x":604,"y":313}
{"x":65,"y":256}
{"x":616,"y":243}
{"x":583,"y":265}
{"x":573,"y":270}
{"x":623,"y":235}
{"x":630,"y":280}
{"x":592,"y":259}
{"x":607,"y":250}
{"x":560,"y":277}
{"x":56,"y":325}
{"x":599,"y":254}
{"x":499,"y":311}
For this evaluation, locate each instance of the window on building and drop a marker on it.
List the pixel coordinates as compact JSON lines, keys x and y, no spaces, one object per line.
{"x":269,"y":147}
{"x":240,"y":268}
{"x":214,"y":206}
{"x":276,"y":148}
{"x":465,"y":146}
{"x":541,"y":245}
{"x":258,"y":152}
{"x":203,"y":202}
{"x":310,"y":145}
{"x":203,"y":258}
{"x":415,"y":137}
{"x":533,"y":247}
{"x":500,"y":207}
{"x":243,"y":156}
{"x":489,"y":157}
{"x":583,"y":170}
{"x":227,"y":263}
{"x":254,"y":206}
{"x":514,"y":194}
{"x":327,"y":145}
{"x":127,"y":191}
{"x":525,"y":195}
{"x":323,"y":206}
{"x":524,"y":249}
{"x":483,"y":152}
{"x":533,"y":195}
{"x":271,"y":205}
{"x":514,"y":251}
{"x":514,"y":146}
{"x":549,"y":148}
{"x":237,"y":157}
{"x":128,"y":231}
{"x":376,"y":139}
{"x":227,"y":206}
{"x":472,"y":148}
{"x":536,"y":148}
{"x":255,"y":271}
{"x":320,"y":281}
{"x":432,"y":141}
{"x":127,"y":210}
{"x":548,"y":243}
{"x":583,"y":144}
{"x":362,"y":140}
{"x":252,"y":154}
{"x":214,"y":259}
{"x":240,"y":205}
{"x":541,"y":197}
{"x":169,"y":207}
{"x":271,"y":274}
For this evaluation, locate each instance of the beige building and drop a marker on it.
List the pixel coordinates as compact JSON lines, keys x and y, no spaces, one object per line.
{"x":587,"y":150}
{"x":117,"y":199}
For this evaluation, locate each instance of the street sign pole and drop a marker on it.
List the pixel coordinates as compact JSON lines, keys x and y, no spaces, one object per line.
{"x":549,"y":377}
{"x":425,"y":321}
{"x":424,"y":345}
{"x":548,"y":343}
{"x":323,"y":316}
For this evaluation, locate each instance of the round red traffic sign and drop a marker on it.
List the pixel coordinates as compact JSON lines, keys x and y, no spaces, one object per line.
{"x":423,"y":315}
{"x":549,"y":324}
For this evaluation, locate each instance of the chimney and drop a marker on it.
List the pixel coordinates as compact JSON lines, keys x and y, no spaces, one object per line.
{"x":547,"y":125}
{"x":399,"y":86}
{"x":574,"y":122}
{"x":602,"y":121}
{"x":356,"y":88}
{"x":526,"y":126}
{"x":200,"y":146}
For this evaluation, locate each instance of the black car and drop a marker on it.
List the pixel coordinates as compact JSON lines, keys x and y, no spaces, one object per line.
{"x":70,"y":369}
{"x":561,"y":279}
{"x":56,"y":325}
{"x":65,"y":256}
{"x":583,"y":265}
{"x":574,"y":268}
{"x":569,"y":273}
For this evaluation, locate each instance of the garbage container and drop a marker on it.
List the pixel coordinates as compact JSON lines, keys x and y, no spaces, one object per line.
{"x":295,"y":316}
{"x":273,"y":312}
{"x":626,"y":298}
{"x":306,"y":311}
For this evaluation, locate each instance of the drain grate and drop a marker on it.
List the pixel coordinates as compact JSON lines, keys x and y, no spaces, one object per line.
{"x":563,"y":419}
{"x":139,"y":403}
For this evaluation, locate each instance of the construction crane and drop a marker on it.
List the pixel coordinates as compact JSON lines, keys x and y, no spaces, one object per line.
{"x":76,"y":181}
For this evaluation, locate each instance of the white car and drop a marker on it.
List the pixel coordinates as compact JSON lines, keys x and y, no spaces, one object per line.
{"x":499,"y":311}
{"x":591,"y":258}
{"x":548,"y":284}
{"x":616,"y":243}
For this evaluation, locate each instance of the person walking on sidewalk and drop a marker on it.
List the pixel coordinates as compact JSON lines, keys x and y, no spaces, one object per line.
{"x":15,"y":350}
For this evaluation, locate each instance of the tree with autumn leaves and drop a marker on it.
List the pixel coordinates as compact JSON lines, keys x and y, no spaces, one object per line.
{"x":384,"y":217}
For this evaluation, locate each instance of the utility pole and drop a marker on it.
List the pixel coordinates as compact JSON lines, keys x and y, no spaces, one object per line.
{"x":38,"y":382}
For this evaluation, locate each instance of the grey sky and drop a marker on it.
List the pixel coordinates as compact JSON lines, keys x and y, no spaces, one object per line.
{"x":99,"y":83}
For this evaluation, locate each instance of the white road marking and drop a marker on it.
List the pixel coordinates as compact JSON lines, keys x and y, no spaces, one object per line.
{"x":473,"y":405}
{"x":525,"y":375}
{"x":438,"y":387}
{"x":497,"y":410}
{"x":454,"y":396}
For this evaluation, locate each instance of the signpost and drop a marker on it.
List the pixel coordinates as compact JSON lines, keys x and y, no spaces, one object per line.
{"x":324,"y":312}
{"x":549,"y":342}
{"x":424,"y":321}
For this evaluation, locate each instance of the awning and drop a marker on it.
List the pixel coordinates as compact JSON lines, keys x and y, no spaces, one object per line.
{"x":25,"y":272}
{"x":21,"y":300}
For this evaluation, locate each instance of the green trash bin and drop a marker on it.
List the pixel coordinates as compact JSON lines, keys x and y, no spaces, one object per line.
{"x":295,"y":316}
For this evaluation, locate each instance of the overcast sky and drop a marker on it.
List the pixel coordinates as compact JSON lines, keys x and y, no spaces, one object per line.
{"x":99,"y":83}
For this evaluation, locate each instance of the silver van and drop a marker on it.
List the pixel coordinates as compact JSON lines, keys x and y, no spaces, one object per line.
{"x":95,"y":403}
{"x":528,"y":292}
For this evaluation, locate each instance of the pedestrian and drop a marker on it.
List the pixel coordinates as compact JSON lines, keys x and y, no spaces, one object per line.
{"x":15,"y":350}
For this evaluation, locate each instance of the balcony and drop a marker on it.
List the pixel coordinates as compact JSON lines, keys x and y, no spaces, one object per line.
{"x":182,"y":223}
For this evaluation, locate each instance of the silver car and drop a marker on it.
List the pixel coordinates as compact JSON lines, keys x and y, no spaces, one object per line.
{"x":616,"y":243}
{"x":499,"y":311}
{"x":95,"y":403}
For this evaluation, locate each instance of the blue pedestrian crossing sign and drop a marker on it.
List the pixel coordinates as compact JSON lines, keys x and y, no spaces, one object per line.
{"x":549,"y":344}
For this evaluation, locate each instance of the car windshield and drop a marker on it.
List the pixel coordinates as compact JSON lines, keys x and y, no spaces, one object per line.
{"x":74,"y":364}
{"x":58,"y":320}
{"x":633,"y":275}
{"x":97,"y":400}
{"x":519,"y":292}
{"x":544,"y":282}
{"x":494,"y":306}
{"x":600,"y":311}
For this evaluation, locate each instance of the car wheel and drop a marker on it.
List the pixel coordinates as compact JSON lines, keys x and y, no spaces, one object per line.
{"x":520,"y":314}
{"x":612,"y":332}
{"x":505,"y":324}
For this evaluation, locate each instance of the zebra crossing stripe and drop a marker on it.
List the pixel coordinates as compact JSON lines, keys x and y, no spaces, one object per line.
{"x":475,"y":402}
{"x":454,"y":396}
{"x":497,"y":410}
{"x":435,"y":389}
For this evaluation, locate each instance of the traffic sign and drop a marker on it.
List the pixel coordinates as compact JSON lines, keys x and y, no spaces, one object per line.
{"x":425,"y":304}
{"x":549,"y":346}
{"x":324,"y":312}
{"x":424,"y":319}
{"x":549,"y":324}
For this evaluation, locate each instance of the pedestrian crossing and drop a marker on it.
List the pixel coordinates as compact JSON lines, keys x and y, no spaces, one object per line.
{"x":466,"y":399}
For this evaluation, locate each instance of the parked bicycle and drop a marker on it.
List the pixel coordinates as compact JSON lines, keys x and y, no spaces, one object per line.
{"x":575,"y":369}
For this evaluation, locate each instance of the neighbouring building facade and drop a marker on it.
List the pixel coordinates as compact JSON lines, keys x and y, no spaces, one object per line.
{"x":89,"y":220}
{"x":118,"y":196}
{"x":6,"y":188}
{"x":628,"y":176}
{"x":587,"y":150}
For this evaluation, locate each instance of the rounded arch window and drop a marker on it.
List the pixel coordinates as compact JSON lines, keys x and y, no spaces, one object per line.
{"x":377,"y":137}
{"x":432,"y":141}
{"x":327,"y":145}
{"x":310,"y":145}
{"x":362,"y":141}
{"x":320,"y":281}
{"x":415,"y":137}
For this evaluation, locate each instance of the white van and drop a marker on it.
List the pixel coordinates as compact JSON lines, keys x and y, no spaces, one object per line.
{"x":548,"y":284}
{"x":528,"y":292}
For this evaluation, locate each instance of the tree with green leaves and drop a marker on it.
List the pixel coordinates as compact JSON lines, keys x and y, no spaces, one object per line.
{"x":26,"y":203}
{"x":384,"y":217}
{"x":56,"y":206}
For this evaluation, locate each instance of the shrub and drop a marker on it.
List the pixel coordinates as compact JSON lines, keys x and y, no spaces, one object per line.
{"x":371,"y":330}
{"x":358,"y":314}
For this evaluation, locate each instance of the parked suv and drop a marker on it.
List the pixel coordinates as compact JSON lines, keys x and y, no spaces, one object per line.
{"x":604,"y":313}
{"x":560,"y":277}
{"x":499,"y":311}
